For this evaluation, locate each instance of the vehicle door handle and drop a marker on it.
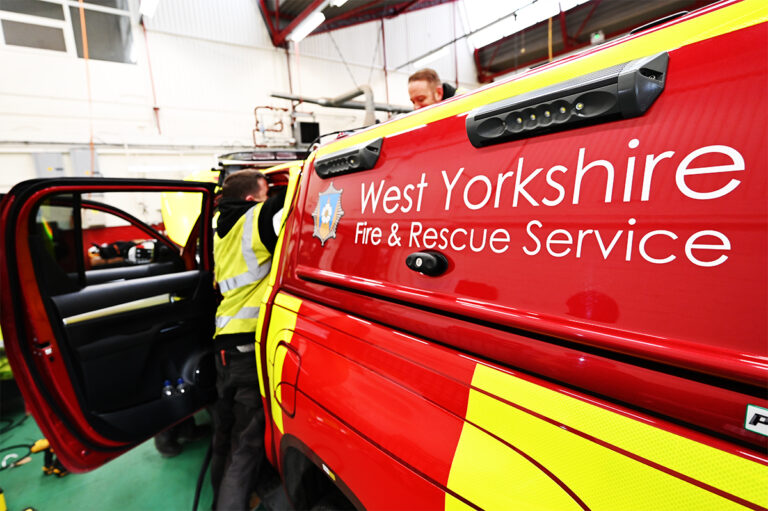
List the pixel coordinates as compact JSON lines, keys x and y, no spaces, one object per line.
{"x":166,"y":329}
{"x":427,"y":263}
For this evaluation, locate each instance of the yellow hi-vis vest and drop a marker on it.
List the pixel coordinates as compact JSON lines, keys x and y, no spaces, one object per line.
{"x":242,"y":265}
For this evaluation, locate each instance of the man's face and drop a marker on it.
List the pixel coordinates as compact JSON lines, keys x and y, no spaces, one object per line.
{"x":423,"y":93}
{"x":261,"y":195}
{"x":263,"y":188}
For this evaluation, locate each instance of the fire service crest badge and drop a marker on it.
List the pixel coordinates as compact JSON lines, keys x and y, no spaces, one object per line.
{"x":327,"y":214}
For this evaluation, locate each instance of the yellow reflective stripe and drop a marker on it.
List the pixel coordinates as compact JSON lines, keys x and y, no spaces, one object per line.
{"x":289,"y":302}
{"x":454,"y":504}
{"x":278,"y":359}
{"x":293,"y":183}
{"x":602,"y":476}
{"x":493,"y":476}
{"x":293,"y":179}
{"x":282,"y":323}
{"x":722,"y":21}
{"x":733,"y":474}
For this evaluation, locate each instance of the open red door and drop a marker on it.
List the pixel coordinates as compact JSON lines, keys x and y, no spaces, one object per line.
{"x":100,"y":311}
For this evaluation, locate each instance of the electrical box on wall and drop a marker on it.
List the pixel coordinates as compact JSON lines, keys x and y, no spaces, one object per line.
{"x":49,"y":164}
{"x":306,"y":132}
{"x":82,"y":166}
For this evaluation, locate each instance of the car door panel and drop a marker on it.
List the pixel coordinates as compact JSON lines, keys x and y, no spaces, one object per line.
{"x":92,"y":341}
{"x":115,"y":334}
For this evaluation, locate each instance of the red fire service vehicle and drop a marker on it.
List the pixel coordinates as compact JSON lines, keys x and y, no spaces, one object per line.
{"x":549,"y":293}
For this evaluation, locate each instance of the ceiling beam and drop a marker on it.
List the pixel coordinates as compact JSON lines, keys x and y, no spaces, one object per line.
{"x":277,"y":13}
{"x":268,"y":18}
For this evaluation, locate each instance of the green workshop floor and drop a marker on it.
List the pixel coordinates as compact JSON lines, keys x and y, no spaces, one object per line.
{"x":139,"y":480}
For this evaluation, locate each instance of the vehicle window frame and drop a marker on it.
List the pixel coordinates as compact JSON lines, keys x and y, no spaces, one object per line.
{"x":76,"y":204}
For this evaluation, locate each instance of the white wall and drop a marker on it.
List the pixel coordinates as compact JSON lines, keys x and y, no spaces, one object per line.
{"x":212,"y":62}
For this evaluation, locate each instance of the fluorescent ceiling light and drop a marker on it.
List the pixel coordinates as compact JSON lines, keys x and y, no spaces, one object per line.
{"x":338,"y":3}
{"x":432,"y":57}
{"x":304,"y":28}
{"x":148,"y":7}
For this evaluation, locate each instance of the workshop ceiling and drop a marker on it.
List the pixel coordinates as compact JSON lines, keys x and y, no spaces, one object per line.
{"x":282,"y":16}
{"x":572,"y":30}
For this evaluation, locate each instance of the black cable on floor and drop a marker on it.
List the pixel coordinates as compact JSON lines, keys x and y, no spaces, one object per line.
{"x":11,"y":425}
{"x":201,"y":477}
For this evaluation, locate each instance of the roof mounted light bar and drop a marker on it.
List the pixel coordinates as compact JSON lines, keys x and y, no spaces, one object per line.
{"x":622,"y":91}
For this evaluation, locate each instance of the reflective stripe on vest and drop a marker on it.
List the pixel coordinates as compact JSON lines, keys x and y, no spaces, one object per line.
{"x":244,"y":313}
{"x":255,"y":271}
{"x":241,"y":279}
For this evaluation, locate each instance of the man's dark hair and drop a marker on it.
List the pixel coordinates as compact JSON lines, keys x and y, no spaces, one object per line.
{"x":241,"y":184}
{"x":426,"y":74}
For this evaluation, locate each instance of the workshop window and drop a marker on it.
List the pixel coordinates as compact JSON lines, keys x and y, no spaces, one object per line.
{"x":33,"y":24}
{"x":55,"y":25}
{"x":109,"y":34}
{"x":33,"y":36}
{"x":33,"y":8}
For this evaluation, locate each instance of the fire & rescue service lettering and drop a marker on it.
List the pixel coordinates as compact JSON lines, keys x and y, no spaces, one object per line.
{"x":507,"y":189}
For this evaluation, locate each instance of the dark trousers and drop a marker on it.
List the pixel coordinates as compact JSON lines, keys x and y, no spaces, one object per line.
{"x":238,"y":434}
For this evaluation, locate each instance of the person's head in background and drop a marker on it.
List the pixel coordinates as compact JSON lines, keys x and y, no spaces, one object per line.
{"x":248,"y":184}
{"x":424,"y":88}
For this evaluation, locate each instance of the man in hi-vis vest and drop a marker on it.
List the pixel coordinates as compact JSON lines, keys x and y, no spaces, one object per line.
{"x":245,"y":238}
